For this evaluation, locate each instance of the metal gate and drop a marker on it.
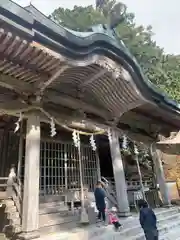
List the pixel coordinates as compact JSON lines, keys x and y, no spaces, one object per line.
{"x":59,"y":167}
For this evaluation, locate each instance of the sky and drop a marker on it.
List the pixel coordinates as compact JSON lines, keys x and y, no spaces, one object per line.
{"x":164,"y":16}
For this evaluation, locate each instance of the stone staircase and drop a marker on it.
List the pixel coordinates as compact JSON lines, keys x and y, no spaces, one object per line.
{"x":52,"y":215}
{"x":168,"y":225}
{"x":11,"y":208}
{"x":55,"y":216}
{"x":13,"y":217}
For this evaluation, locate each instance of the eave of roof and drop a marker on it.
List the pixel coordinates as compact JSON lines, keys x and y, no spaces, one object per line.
{"x":46,"y":31}
{"x":29,"y":69}
{"x":38,"y":28}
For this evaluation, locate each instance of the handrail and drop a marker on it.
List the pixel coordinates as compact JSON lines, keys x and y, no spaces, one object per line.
{"x":17,"y":197}
{"x":4,"y":180}
{"x":14,"y":190}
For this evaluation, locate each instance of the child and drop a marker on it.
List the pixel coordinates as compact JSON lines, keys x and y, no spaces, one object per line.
{"x":113,"y":219}
{"x":148,"y":221}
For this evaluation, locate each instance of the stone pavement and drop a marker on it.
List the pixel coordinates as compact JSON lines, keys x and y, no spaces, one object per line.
{"x":2,"y":237}
{"x":168,"y":224}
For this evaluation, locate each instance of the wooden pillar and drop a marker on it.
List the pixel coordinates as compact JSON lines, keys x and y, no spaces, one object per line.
{"x":20,"y":152}
{"x":156,"y":156}
{"x":30,"y":216}
{"x":119,"y":176}
{"x":98,"y":166}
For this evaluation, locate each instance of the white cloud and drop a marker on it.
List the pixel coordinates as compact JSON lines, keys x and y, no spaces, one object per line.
{"x":162,"y":15}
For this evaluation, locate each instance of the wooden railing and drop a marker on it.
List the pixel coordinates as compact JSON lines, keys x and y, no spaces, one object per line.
{"x":133,"y":188}
{"x":17,"y":196}
{"x":130,"y":184}
{"x":14,"y":191}
{"x":3,"y":185}
{"x":3,"y":182}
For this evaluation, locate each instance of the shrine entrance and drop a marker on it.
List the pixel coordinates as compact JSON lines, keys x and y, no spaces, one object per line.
{"x":59,"y":167}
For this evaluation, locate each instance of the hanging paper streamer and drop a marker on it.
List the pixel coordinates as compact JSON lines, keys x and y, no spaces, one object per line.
{"x":146,"y":154}
{"x":136,"y":151}
{"x":53,"y":128}
{"x":18,"y":123}
{"x":76,"y":138}
{"x":125,"y":142}
{"x":93,"y":143}
{"x":109,"y":135}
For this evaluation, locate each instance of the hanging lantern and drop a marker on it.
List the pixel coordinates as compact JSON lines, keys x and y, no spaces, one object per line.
{"x":93,"y":143}
{"x":18,"y":123}
{"x":53,"y":128}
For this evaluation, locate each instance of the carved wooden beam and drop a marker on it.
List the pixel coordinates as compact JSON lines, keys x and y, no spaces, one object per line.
{"x":12,"y":105}
{"x":25,"y":65}
{"x":73,"y":103}
{"x":64,"y":119}
{"x":93,"y":77}
{"x":24,"y":88}
{"x":42,"y":86}
{"x":18,"y":86}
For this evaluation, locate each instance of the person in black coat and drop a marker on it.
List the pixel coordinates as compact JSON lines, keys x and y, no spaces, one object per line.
{"x":148,"y":221}
{"x":100,"y":196}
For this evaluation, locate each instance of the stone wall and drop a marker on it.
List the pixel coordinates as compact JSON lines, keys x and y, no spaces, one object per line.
{"x":171,"y":164}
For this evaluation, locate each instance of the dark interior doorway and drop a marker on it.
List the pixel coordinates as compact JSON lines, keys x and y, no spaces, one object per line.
{"x":105,"y":157}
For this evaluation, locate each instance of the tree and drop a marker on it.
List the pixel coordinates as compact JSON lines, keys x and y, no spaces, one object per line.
{"x":78,"y":19}
{"x":161,"y":69}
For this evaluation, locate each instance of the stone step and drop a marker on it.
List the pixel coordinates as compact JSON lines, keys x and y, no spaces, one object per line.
{"x":51,"y":198}
{"x":56,"y":230}
{"x":9,"y":229}
{"x":13,"y":215}
{"x":57,"y":220}
{"x":15,"y":221}
{"x":160,"y":213}
{"x":53,"y":209}
{"x":52,"y":204}
{"x":2,"y":236}
{"x":173,"y":234}
{"x":53,"y":216}
{"x":165,"y":220}
{"x":164,"y":229}
{"x":9,"y":203}
{"x":131,"y":227}
{"x":133,"y":231}
{"x":166,"y":224}
{"x":17,"y":228}
{"x":10,"y":209}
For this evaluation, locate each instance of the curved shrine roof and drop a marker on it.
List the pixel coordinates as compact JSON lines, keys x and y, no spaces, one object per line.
{"x":70,"y":74}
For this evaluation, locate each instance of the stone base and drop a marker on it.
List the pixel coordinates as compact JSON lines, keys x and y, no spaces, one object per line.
{"x":167,"y":205}
{"x":28,"y":235}
{"x":124,"y":214}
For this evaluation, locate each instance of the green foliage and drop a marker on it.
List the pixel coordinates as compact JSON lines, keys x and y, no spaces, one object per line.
{"x":161,"y":69}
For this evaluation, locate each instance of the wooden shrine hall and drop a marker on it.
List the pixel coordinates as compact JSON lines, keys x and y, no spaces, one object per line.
{"x":55,"y":85}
